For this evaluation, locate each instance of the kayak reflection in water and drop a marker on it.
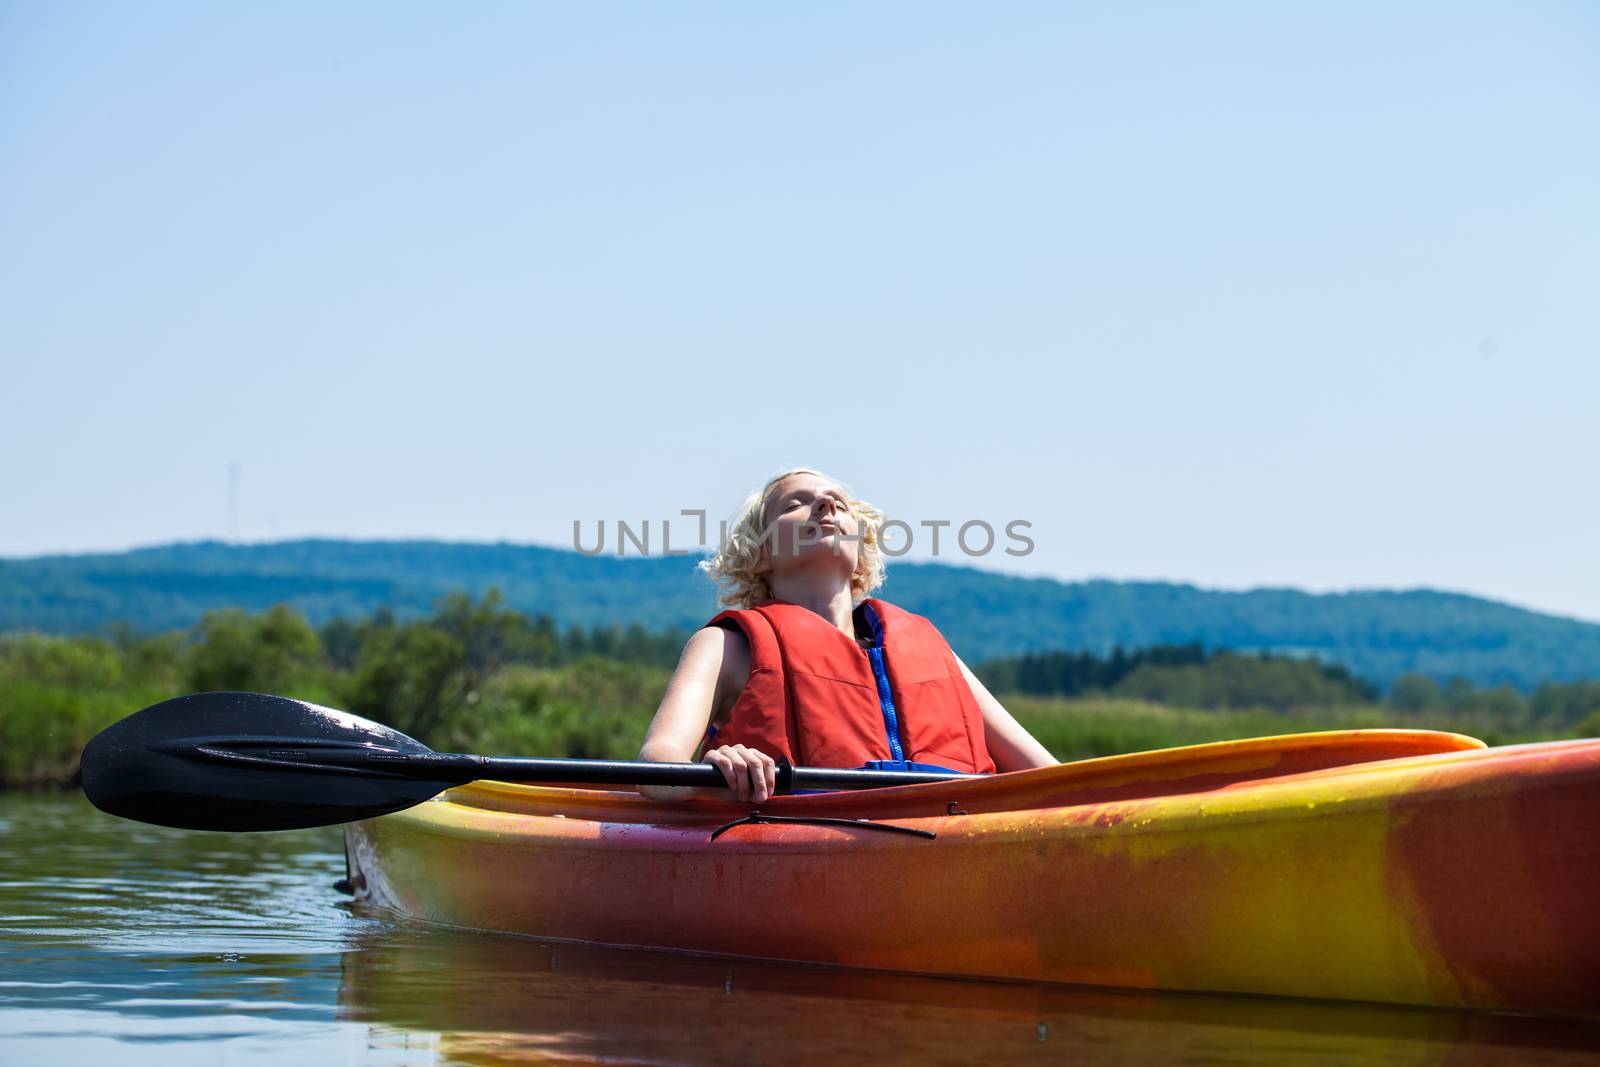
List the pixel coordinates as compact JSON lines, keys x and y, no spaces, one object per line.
{"x":805,"y":665}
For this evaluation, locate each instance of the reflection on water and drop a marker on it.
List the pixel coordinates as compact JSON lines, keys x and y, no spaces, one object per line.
{"x":160,"y":946}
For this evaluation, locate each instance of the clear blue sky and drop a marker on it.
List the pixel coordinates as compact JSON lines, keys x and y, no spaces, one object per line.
{"x":1238,"y":294}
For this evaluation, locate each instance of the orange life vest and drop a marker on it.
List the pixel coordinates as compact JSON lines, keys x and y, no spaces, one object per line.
{"x":819,"y":698}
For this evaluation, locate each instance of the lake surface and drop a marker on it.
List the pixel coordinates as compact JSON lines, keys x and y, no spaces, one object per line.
{"x":138,"y":945}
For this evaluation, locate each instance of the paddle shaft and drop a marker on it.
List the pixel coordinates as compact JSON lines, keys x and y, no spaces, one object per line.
{"x":309,"y":754}
{"x":639,"y":772}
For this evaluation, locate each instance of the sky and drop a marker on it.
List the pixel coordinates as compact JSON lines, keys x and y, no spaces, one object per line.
{"x":1235,"y":294}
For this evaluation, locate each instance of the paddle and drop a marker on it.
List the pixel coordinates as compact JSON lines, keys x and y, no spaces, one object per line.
{"x":248,"y":761}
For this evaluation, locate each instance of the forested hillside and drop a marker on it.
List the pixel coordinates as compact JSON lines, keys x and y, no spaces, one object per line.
{"x":1378,"y":636}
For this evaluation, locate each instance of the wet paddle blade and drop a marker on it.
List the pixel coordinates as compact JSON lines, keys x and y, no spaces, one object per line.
{"x":250,"y":761}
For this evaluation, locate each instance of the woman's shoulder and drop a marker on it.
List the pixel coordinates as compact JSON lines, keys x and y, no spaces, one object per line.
{"x":725,"y":645}
{"x":722,"y":636}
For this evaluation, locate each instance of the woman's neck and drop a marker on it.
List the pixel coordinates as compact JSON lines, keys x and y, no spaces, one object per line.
{"x":828,"y":600}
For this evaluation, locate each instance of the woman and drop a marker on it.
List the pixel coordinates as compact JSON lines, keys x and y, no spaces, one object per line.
{"x":809,"y":668}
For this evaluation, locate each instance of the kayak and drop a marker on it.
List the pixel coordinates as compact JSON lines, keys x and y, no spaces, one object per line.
{"x":1395,"y":866}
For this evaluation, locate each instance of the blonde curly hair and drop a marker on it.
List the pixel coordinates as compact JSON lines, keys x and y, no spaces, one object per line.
{"x":733,"y":566}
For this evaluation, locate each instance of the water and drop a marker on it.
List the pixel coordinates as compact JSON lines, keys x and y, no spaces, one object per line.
{"x":140,"y":945}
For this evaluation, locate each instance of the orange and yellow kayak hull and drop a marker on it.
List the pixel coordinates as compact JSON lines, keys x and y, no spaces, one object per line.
{"x":1395,"y":866}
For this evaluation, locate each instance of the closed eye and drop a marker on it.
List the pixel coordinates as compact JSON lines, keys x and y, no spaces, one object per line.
{"x":799,"y":501}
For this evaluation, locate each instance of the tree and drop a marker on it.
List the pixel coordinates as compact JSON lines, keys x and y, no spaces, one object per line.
{"x":422,"y":677}
{"x":265,"y":653}
{"x":410,"y":678}
{"x":1414,"y":692}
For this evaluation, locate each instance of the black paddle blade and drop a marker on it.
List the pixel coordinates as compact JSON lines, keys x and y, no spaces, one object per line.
{"x":248,"y":761}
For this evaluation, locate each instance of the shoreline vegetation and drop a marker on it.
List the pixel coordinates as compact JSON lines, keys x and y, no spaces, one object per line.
{"x":477,"y":676}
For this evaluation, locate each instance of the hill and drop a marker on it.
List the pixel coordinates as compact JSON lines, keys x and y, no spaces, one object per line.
{"x":1378,"y":635}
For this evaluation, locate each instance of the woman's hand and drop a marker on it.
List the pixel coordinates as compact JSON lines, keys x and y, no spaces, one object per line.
{"x":752,"y":775}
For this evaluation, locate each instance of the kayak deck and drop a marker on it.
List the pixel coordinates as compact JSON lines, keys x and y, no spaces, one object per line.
{"x":1164,"y":772}
{"x":1400,"y":866}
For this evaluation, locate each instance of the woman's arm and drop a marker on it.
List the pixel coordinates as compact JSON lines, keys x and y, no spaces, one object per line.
{"x":1011,"y":746}
{"x":712,"y":670}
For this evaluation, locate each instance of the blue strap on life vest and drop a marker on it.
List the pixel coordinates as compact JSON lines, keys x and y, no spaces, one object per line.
{"x":891,"y":720}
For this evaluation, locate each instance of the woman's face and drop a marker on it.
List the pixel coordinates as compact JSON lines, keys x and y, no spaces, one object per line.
{"x":809,"y":518}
